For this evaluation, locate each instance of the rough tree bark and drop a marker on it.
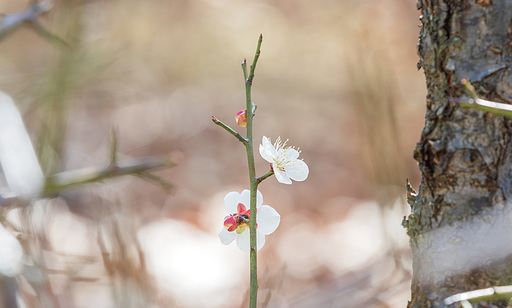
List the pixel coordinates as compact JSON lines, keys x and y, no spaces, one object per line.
{"x":460,"y":225}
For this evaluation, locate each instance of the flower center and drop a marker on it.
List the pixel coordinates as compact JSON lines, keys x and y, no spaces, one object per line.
{"x":283,"y":160}
{"x":284,"y":157}
{"x":238,"y":221}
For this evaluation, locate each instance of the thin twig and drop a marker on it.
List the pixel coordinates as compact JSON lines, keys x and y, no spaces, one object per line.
{"x":155,"y":179}
{"x":252,"y":177}
{"x":69,"y":179}
{"x":229,"y":129}
{"x":113,"y":147}
{"x":253,"y":181}
{"x":244,"y":69}
{"x":10,"y":22}
{"x":265,"y":176}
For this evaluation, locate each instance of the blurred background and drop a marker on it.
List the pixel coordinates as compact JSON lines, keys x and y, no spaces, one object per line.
{"x":336,"y":78}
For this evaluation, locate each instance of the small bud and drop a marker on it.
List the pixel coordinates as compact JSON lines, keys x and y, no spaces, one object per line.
{"x":241,"y":118}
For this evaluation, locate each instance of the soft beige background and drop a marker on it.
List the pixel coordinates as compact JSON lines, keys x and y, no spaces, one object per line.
{"x":336,"y":78}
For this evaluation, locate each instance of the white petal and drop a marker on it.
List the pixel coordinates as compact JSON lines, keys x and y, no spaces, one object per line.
{"x":243,"y":240}
{"x":265,"y":141}
{"x":266,"y":153}
{"x":245,"y":198}
{"x":291,"y":154}
{"x":261,"y":240}
{"x":227,"y":237}
{"x":297,"y":170}
{"x":268,"y":219}
{"x":231,"y":201}
{"x":259,"y":199}
{"x":282,"y":177}
{"x":267,"y":150}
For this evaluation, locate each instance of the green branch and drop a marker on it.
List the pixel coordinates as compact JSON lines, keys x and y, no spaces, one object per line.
{"x":229,"y":129}
{"x":253,"y":181}
{"x":264,"y":177}
{"x":252,"y":176}
{"x":255,"y":61}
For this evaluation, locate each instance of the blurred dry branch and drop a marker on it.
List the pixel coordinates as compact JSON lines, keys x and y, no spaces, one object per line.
{"x":53,"y":105}
{"x":70,"y":179}
{"x":139,"y":167}
{"x":124,"y":261}
{"x":10,"y":22}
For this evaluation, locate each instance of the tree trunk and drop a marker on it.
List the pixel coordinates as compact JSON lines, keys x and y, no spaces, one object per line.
{"x":460,"y":225}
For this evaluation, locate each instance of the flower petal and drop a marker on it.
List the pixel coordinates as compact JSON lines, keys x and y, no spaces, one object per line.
{"x":281,"y":176}
{"x":266,"y":154}
{"x":267,"y":150}
{"x":231,"y":201}
{"x":245,"y":198}
{"x":230,"y":223}
{"x":291,"y":154}
{"x":226,"y":237}
{"x":265,"y":141}
{"x":268,"y":219}
{"x":261,"y":240}
{"x":241,"y":209}
{"x":297,"y":170}
{"x":243,"y":241}
{"x":259,"y":199}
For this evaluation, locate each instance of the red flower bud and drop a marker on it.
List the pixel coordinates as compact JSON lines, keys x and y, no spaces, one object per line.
{"x":241,"y":118}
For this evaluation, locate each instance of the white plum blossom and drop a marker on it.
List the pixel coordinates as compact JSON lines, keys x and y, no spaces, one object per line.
{"x":236,"y":224}
{"x":284,"y":161}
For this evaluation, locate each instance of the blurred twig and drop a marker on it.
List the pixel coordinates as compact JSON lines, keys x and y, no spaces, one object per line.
{"x":138,"y":167}
{"x":62,"y":79}
{"x":69,"y":179}
{"x":155,"y":179}
{"x":11,"y":22}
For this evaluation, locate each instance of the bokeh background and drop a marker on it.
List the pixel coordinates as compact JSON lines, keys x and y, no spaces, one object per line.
{"x":336,"y":78}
